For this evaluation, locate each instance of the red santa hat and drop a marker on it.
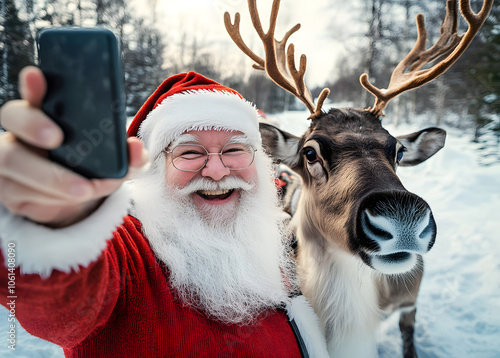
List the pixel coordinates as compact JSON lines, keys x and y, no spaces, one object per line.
{"x":189,"y":101}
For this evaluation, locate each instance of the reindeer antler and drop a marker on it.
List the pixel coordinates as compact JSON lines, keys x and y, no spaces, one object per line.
{"x":449,"y":45}
{"x":278,"y":64}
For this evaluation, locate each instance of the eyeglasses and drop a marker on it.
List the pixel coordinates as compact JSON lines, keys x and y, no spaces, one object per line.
{"x":194,"y":157}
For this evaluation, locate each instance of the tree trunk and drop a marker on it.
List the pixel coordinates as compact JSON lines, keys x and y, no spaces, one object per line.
{"x":463,"y":117}
{"x":397,"y":111}
{"x":412,"y":107}
{"x":373,"y":36}
{"x":477,"y":124}
{"x":440,"y":99}
{"x":5,"y":56}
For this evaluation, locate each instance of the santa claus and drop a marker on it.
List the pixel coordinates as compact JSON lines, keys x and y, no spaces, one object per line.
{"x":186,"y":259}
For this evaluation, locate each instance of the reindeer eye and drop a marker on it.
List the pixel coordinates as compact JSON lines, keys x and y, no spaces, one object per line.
{"x":399,"y":156}
{"x":311,"y":155}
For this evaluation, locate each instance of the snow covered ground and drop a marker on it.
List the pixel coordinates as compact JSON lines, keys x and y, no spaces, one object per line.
{"x":458,"y":311}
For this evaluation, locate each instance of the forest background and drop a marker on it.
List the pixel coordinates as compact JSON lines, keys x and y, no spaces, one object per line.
{"x":342,"y":40}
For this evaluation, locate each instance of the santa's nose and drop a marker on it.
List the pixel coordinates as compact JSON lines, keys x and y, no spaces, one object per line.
{"x":214,"y":168}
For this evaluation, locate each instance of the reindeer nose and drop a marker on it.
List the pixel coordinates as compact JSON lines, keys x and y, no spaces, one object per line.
{"x":394,"y":226}
{"x":393,"y":233}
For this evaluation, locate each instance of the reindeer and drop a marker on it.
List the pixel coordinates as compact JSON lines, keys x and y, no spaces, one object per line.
{"x":361,"y":234}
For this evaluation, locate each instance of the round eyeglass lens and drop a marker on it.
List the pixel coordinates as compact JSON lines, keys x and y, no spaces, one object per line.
{"x":237,"y":156}
{"x":189,"y":157}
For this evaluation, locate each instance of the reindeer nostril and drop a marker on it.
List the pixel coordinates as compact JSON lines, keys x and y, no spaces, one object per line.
{"x":372,"y":230}
{"x":427,"y":231}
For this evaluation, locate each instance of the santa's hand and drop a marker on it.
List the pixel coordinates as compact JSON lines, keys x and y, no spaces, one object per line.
{"x":30,"y":184}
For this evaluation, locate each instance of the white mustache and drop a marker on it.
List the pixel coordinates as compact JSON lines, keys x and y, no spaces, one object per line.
{"x":228,"y":183}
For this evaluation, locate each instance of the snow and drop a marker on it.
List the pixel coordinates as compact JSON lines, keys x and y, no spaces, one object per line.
{"x":458,"y":309}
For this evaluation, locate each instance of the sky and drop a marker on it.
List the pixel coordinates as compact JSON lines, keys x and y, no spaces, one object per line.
{"x":204,"y":18}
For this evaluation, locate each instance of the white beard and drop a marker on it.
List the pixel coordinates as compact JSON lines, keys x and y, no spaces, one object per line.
{"x":232,"y":263}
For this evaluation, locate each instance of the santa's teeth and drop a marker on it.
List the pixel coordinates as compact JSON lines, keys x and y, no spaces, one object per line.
{"x":214,"y":192}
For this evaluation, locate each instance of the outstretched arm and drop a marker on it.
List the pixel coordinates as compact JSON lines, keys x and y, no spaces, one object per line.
{"x":58,"y":223}
{"x":30,"y":184}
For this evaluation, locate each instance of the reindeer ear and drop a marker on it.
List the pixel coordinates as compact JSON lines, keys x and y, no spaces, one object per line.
{"x":421,"y":145}
{"x":282,"y":146}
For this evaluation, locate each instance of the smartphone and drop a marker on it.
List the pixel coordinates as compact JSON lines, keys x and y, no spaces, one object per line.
{"x":85,"y":97}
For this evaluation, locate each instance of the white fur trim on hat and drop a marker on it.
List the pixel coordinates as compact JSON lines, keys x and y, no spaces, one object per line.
{"x":40,"y":249}
{"x":198,"y":110}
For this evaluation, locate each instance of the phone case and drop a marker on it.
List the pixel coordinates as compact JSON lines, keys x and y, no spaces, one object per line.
{"x":85,"y":97}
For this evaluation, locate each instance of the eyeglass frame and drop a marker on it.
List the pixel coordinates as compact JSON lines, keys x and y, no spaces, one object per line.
{"x":171,"y":152}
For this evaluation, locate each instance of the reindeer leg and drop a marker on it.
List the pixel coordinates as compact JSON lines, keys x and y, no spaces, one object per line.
{"x":407,"y":326}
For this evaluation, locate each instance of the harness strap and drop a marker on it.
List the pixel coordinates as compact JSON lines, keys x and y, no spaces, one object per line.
{"x":298,"y":337}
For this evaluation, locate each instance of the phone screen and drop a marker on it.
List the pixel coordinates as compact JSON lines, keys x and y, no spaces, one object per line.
{"x":85,"y":98}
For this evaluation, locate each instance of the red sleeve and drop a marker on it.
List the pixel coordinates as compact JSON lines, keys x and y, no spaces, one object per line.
{"x":66,"y":307}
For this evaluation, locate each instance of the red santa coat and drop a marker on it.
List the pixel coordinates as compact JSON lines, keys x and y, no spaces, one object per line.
{"x":121,"y":305}
{"x":97,"y":297}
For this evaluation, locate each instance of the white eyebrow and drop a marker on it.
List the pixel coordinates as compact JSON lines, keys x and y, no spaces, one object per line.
{"x":190,"y":138}
{"x":240,"y":138}
{"x":184,"y":138}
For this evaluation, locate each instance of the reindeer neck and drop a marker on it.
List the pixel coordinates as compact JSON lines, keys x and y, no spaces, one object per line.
{"x":343,"y":292}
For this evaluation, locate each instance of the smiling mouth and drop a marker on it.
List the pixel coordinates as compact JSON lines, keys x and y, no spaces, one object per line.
{"x":215,"y":194}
